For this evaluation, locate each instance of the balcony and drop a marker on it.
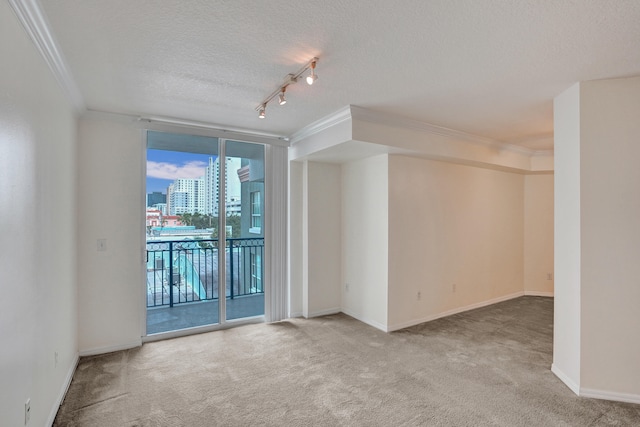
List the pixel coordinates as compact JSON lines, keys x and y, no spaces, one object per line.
{"x":182,"y":282}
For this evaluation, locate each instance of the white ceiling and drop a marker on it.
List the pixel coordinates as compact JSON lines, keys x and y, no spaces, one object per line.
{"x":485,"y":67}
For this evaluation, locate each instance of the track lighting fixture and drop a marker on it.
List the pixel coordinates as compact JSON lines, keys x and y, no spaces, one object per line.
{"x":312,"y":77}
{"x":289,"y":80}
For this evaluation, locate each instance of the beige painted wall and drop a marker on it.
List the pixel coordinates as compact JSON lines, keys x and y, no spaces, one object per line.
{"x":538,"y":234}
{"x":111,"y":207}
{"x":365,"y":244}
{"x":321,"y":238}
{"x":451,"y":224}
{"x":610,"y":236}
{"x":38,"y":317}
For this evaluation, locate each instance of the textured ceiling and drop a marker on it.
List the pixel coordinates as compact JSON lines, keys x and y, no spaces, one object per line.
{"x":485,"y":67}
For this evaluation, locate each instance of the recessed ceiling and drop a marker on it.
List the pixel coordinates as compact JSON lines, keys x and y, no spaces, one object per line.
{"x":489,"y":68}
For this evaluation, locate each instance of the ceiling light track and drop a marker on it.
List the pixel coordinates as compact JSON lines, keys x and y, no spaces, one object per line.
{"x":289,"y":80}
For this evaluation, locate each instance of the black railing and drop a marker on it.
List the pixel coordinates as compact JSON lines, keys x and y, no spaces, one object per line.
{"x":183,"y":271}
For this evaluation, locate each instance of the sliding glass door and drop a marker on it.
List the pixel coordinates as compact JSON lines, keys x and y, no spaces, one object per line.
{"x":205,"y":198}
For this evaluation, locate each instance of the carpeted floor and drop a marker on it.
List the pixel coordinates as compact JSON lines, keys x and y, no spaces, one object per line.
{"x":486,"y":367}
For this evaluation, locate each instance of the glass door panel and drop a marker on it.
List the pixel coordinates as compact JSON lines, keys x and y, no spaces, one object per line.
{"x":244,"y":220}
{"x":182,"y":232}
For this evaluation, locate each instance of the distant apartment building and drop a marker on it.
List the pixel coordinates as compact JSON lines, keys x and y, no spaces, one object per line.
{"x":186,"y":195}
{"x":162,"y":207}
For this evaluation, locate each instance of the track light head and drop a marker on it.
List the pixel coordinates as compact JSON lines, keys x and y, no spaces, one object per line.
{"x":281,"y":98}
{"x":311,"y":78}
{"x":262,"y":112}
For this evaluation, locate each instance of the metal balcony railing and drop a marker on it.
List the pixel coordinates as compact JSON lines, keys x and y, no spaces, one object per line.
{"x":183,"y":271}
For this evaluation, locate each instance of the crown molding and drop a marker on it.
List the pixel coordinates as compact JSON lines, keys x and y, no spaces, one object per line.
{"x":318,"y":126}
{"x":367,"y":115}
{"x":35,"y":24}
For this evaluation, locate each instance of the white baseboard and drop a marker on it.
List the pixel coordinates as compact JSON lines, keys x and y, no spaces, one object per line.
{"x":362,"y":319}
{"x":413,"y":322}
{"x":110,"y":349}
{"x":295,"y":314}
{"x":538,"y":294}
{"x":63,"y":391}
{"x":609,"y":395}
{"x":565,"y":379}
{"x":326,"y":312}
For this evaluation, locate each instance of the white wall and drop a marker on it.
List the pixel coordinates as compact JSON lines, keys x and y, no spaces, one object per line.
{"x":610,"y":237}
{"x":365,"y":240}
{"x":567,"y":257}
{"x":538,"y":234}
{"x":111,"y":207}
{"x":37,"y":232}
{"x":451,"y":224}
{"x":321,"y":238}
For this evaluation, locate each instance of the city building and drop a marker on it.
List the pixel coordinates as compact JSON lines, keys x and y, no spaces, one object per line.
{"x":212,"y":192}
{"x":156,"y":197}
{"x":186,"y":195}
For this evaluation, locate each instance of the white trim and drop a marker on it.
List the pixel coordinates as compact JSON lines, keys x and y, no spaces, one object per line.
{"x":369,"y":322}
{"x":63,"y":391}
{"x":452,"y":312}
{"x":110,"y":349}
{"x":326,"y":312}
{"x":325,"y":123}
{"x":565,"y":379}
{"x":203,"y":329}
{"x":367,"y":115}
{"x":35,"y":24}
{"x":609,"y":395}
{"x":538,"y":294}
{"x":296,"y":314}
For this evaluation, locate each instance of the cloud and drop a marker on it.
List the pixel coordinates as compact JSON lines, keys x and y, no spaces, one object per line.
{"x":171,"y":171}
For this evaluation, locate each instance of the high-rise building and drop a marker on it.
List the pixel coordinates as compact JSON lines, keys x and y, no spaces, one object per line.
{"x":156,"y":197}
{"x":186,"y":195}
{"x":211,"y":183}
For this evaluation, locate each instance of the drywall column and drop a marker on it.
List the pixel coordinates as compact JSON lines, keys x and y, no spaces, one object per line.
{"x":566,"y":328}
{"x":597,"y":238}
{"x":320,"y":239}
{"x":365,"y":240}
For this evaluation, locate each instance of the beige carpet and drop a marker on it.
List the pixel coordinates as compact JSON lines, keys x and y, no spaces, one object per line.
{"x":487,"y":367}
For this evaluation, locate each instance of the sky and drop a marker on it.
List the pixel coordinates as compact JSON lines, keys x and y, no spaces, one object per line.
{"x":163,"y":167}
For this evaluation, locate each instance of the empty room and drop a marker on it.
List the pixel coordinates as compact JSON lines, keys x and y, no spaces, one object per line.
{"x":319,"y":213}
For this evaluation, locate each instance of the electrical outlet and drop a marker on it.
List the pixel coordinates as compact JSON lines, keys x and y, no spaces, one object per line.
{"x":346,"y":287}
{"x":419,"y":296}
{"x":27,"y":411}
{"x":102,"y":245}
{"x":549,"y":276}
{"x":453,"y":288}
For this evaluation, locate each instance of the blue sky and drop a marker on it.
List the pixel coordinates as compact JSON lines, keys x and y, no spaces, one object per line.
{"x":163,"y":167}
